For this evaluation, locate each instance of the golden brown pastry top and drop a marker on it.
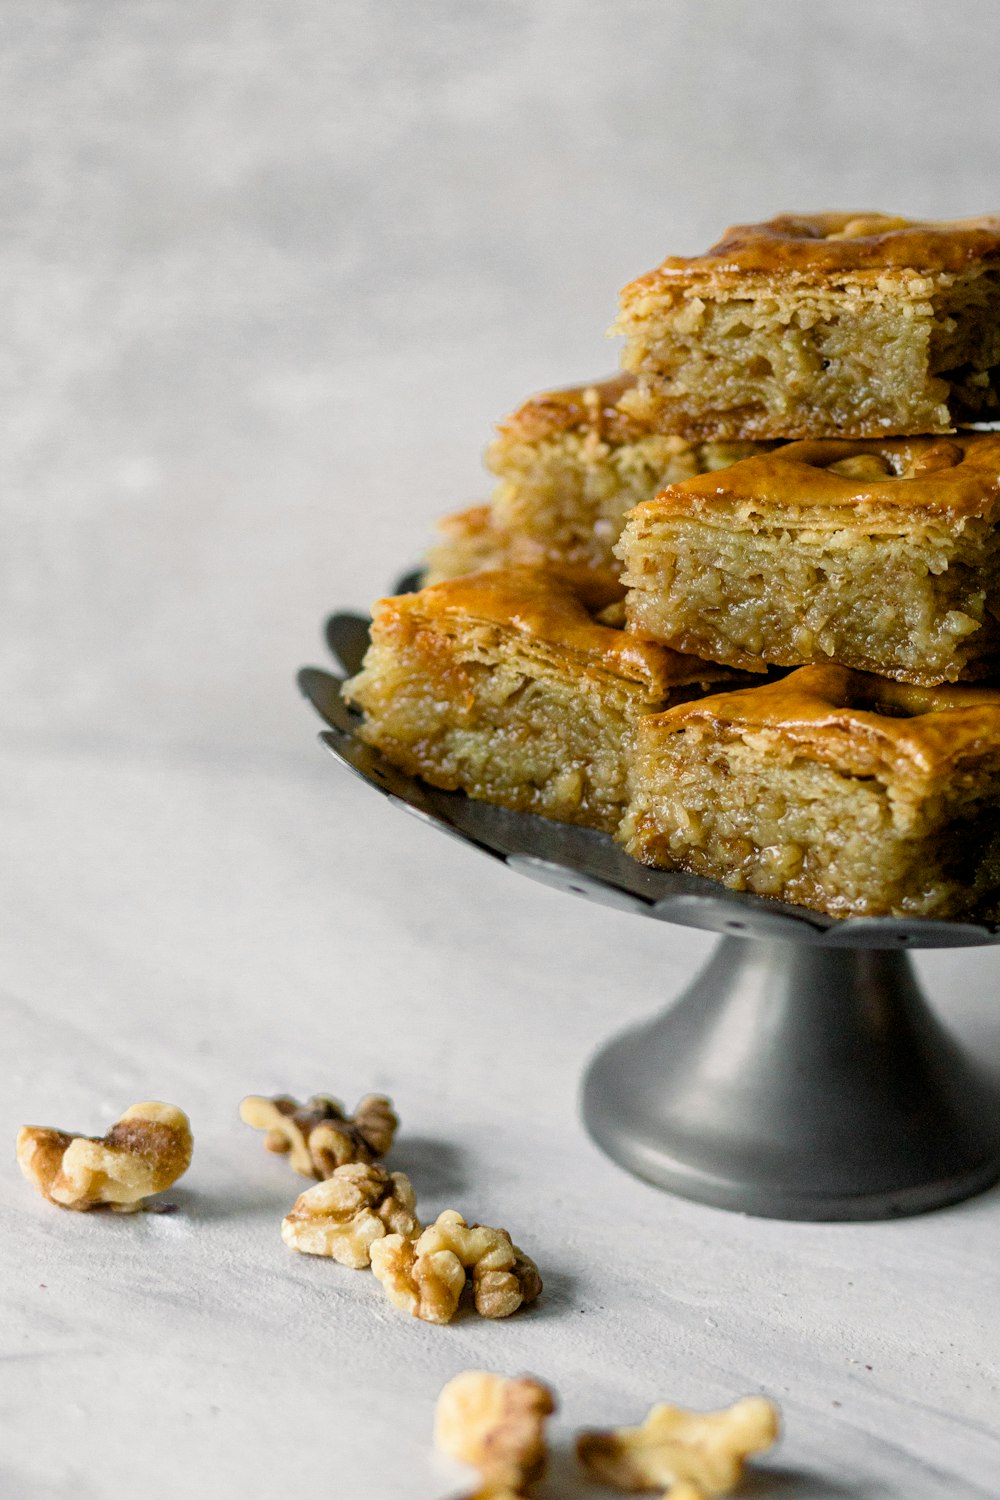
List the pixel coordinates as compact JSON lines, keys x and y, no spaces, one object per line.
{"x":854,"y":720}
{"x":828,"y":243}
{"x":542,"y":608}
{"x":955,"y":476}
{"x":591,"y":408}
{"x":594,"y":412}
{"x":472,"y":542}
{"x":473,"y":522}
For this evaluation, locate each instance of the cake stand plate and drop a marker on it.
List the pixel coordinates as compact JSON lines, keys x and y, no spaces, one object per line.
{"x":802,"y":1074}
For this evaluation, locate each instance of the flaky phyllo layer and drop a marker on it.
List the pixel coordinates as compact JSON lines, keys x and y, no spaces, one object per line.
{"x":828,"y":790}
{"x":918,"y":605}
{"x":510,"y":732}
{"x":569,"y":494}
{"x":812,"y":835}
{"x":819,"y":325}
{"x":569,"y":466}
{"x":901,"y":354}
{"x":877,"y":555}
{"x":505,"y":686}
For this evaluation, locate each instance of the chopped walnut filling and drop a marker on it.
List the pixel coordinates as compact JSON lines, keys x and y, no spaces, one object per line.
{"x":145,"y":1151}
{"x":497,"y":1426}
{"x":344,"y":1216}
{"x":674,"y":1448}
{"x":318,"y":1136}
{"x":427,"y":1278}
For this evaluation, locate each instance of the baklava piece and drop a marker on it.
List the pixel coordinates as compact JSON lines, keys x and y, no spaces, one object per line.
{"x":832,"y":789}
{"x":468,"y":542}
{"x":572,"y":463}
{"x":471,"y":542}
{"x":818,"y":325}
{"x":504,"y":685}
{"x":882,"y":556}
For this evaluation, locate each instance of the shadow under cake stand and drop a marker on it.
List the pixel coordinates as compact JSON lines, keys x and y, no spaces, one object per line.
{"x":801,"y":1075}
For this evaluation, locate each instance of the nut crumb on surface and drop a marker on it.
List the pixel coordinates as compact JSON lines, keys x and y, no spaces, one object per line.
{"x":344,"y":1216}
{"x":144,"y":1152}
{"x":427,"y":1277}
{"x":319,"y":1136}
{"x":688,"y":1453}
{"x":496,"y":1425}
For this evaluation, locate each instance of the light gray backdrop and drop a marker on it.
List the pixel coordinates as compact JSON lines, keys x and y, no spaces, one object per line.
{"x":275,"y":269}
{"x":270,"y":272}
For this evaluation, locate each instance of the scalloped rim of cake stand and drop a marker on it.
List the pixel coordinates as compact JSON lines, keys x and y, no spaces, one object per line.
{"x":584,"y":862}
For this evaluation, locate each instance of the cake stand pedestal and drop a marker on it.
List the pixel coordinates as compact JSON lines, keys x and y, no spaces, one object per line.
{"x":802,"y":1074}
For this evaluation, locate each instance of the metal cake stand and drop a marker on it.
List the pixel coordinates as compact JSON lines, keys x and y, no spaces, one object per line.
{"x":801,"y":1075}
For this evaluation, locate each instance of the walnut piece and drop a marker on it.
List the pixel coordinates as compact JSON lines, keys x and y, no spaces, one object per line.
{"x":673,"y":1448}
{"x":497,"y":1426}
{"x":144,"y":1152}
{"x":427,"y":1278}
{"x":344,"y":1216}
{"x":319,"y":1136}
{"x":503,"y":1277}
{"x":426,"y":1286}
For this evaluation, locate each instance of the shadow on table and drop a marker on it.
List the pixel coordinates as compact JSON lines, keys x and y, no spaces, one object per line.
{"x":436,"y":1168}
{"x":791,"y":1484}
{"x":566,"y":1481}
{"x":243,"y":1201}
{"x":558,"y":1296}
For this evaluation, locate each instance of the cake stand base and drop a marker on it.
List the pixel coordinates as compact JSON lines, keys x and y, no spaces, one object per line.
{"x":798,"y":1082}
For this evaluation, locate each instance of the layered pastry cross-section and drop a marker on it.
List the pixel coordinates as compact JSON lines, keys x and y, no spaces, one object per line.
{"x":819,"y":325}
{"x":832,"y":789}
{"x":878,"y":555}
{"x":569,"y":464}
{"x":572,"y":463}
{"x":506,"y":686}
{"x":471,"y":542}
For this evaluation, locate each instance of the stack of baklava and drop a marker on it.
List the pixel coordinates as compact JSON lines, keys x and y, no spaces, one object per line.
{"x":784,"y":477}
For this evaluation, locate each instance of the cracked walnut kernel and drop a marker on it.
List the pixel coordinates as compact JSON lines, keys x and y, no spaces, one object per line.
{"x":496,"y":1425}
{"x":673,"y":1448}
{"x":344,"y":1216}
{"x":427,"y":1278}
{"x":319,"y":1136}
{"x":143,"y":1152}
{"x":426,"y":1286}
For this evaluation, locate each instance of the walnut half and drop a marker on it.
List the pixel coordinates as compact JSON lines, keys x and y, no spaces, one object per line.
{"x":319,"y":1136}
{"x":344,"y":1216}
{"x":427,"y":1277}
{"x":143,"y":1153}
{"x":675,"y":1449}
{"x":497,"y":1426}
